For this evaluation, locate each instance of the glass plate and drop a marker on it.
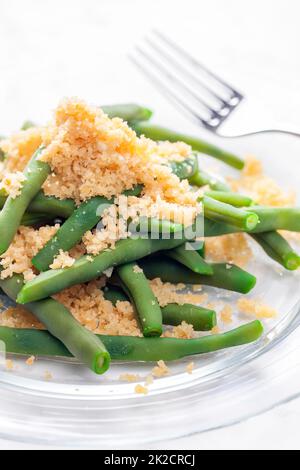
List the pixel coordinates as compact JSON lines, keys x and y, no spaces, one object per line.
{"x":76,"y":408}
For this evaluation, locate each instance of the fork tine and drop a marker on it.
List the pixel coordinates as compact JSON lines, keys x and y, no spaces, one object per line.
{"x":167,"y":91}
{"x":150,"y":59}
{"x":236,"y":96}
{"x":179,"y":67}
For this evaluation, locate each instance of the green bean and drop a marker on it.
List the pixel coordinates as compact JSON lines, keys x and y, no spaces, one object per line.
{"x":201,"y":318}
{"x":128,"y":112}
{"x":278,"y":249}
{"x":277,"y":218}
{"x":225,"y":276}
{"x":273,"y":243}
{"x":186,"y":168}
{"x":156,"y":227}
{"x":201,"y":178}
{"x":47,"y":205}
{"x":158,"y":133}
{"x":270,"y":219}
{"x":84,"y":218}
{"x":235,"y":199}
{"x":136,"y":286}
{"x":52,"y":205}
{"x":31,"y":220}
{"x":131,"y":348}
{"x":71,"y":232}
{"x":221,"y":212}
{"x":11,"y":215}
{"x":115,"y":294}
{"x":81,"y":343}
{"x":201,"y":249}
{"x":88,"y":268}
{"x":186,"y":255}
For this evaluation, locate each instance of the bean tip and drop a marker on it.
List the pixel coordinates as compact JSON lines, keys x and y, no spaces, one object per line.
{"x":101,"y":362}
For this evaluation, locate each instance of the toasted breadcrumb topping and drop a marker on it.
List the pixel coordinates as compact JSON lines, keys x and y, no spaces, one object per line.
{"x":137,"y":269}
{"x":233,"y":248}
{"x":141,"y":390}
{"x":30,"y":361}
{"x":12,"y":183}
{"x":190,"y":367}
{"x":160,"y":370}
{"x":25,"y":245}
{"x":182,"y":331}
{"x":62,"y":260}
{"x":256,"y":308}
{"x":91,"y":155}
{"x":9,"y":364}
{"x":263,"y":189}
{"x":226,"y":314}
{"x":20,"y":147}
{"x":167,"y":293}
{"x":129,"y":377}
{"x":149,"y":380}
{"x":19,"y":317}
{"x":88,"y":305}
{"x":215,"y":330}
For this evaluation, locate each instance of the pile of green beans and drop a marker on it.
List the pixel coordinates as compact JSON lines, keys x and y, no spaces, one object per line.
{"x":137,"y":260}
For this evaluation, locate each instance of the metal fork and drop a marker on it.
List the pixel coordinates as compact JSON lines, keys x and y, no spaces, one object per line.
{"x":204,"y":96}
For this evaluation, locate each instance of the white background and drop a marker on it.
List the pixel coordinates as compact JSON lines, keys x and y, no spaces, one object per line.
{"x":55,"y":48}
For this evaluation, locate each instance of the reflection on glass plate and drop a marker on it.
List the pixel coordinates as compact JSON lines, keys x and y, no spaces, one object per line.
{"x":62,"y":403}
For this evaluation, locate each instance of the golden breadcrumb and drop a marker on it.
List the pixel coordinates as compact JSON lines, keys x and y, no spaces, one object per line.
{"x":129,"y":377}
{"x":20,"y":147}
{"x":190,"y":367}
{"x":9,"y":364}
{"x":233,"y":248}
{"x":62,"y":260}
{"x":141,"y":390}
{"x":215,"y":330}
{"x":182,"y":331}
{"x":19,"y":317}
{"x":256,"y":308}
{"x":263,"y":189}
{"x":167,"y":293}
{"x":30,"y":361}
{"x":137,"y":269}
{"x":25,"y":245}
{"x":161,"y":370}
{"x":149,"y":380}
{"x":226,"y":314}
{"x":88,"y":305}
{"x":12,"y":183}
{"x":91,"y":154}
